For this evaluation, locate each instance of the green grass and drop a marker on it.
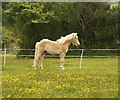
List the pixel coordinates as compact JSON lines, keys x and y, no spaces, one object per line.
{"x":98,"y":78}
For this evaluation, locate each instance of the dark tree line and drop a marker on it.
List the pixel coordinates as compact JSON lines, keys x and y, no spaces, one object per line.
{"x":25,"y":23}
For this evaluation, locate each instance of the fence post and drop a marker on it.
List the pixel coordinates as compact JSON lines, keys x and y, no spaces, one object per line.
{"x":5,"y":56}
{"x":81,"y":58}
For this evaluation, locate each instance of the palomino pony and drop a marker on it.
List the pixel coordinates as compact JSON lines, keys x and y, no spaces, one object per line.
{"x":55,"y":47}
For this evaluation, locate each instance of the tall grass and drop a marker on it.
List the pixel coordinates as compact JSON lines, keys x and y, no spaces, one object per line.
{"x":98,"y":78}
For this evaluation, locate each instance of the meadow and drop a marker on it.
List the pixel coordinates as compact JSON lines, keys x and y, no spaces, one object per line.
{"x":98,"y":78}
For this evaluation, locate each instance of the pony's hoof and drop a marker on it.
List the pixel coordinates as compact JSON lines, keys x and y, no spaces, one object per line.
{"x":63,"y":68}
{"x":41,"y":67}
{"x":34,"y":67}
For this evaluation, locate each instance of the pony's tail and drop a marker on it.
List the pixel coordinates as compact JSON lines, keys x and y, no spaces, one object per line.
{"x":36,"y":49}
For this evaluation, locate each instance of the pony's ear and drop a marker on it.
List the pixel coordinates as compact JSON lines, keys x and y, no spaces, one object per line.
{"x":74,"y":34}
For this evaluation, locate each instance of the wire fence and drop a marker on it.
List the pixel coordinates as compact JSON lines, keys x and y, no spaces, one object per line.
{"x":74,"y":53}
{"x":71,"y":53}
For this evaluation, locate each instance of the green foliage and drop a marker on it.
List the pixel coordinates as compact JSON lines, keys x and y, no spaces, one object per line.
{"x":26,"y":13}
{"x":9,"y":38}
{"x":96,"y":23}
{"x":22,"y":16}
{"x":92,"y":18}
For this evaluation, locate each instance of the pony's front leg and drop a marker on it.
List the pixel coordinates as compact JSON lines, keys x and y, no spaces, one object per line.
{"x":62,"y":56}
{"x":41,"y":63}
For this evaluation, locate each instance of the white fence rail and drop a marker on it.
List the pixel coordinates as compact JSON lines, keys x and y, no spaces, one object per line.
{"x":7,"y":51}
{"x":79,"y":53}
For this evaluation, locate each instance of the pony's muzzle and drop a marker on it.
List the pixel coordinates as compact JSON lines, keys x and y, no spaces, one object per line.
{"x":78,"y":43}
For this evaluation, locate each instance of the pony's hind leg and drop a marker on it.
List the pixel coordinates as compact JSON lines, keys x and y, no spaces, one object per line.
{"x":41,"y":58}
{"x":35,"y":61}
{"x":36,"y":58}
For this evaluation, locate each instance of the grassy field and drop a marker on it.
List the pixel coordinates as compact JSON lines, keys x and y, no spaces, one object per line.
{"x":98,"y":78}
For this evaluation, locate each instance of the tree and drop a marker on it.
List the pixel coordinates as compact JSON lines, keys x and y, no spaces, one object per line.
{"x":9,"y":38}
{"x":91,"y":18}
{"x":22,"y":16}
{"x":94,"y":22}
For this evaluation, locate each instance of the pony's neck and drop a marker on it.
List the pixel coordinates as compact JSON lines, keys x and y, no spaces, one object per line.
{"x":67,"y":43}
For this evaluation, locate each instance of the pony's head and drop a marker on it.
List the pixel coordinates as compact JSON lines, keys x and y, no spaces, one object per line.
{"x":74,"y":39}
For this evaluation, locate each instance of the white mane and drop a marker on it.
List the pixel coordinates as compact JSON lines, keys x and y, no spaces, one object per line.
{"x":67,"y":37}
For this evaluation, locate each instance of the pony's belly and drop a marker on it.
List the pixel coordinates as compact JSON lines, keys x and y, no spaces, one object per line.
{"x":53,"y":51}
